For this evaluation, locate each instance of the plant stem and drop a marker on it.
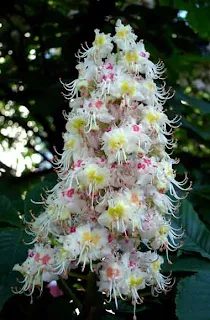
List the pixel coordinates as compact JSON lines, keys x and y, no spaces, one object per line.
{"x":77,"y":275}
{"x":71,"y":293}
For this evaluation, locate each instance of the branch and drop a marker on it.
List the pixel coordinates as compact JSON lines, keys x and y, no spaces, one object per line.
{"x":39,"y":152}
{"x":8,"y":170}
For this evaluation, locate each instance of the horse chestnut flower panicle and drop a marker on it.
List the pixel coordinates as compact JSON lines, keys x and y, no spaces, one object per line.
{"x":116,"y":190}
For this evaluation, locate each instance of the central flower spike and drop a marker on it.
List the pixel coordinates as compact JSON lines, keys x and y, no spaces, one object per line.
{"x":117,"y":191}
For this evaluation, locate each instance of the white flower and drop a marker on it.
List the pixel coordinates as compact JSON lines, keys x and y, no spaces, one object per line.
{"x":111,"y":278}
{"x":116,"y":145}
{"x":92,"y":243}
{"x":159,"y":283}
{"x":116,"y":217}
{"x":94,"y":178}
{"x":95,"y":109}
{"x":39,"y":261}
{"x":124,"y":36}
{"x":76,"y":124}
{"x":102,"y":46}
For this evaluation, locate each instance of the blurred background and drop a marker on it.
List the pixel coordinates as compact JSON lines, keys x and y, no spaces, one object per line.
{"x":38,"y":42}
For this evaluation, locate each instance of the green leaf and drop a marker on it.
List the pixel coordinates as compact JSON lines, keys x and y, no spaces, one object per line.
{"x":12,"y":251}
{"x":203,"y":134}
{"x":179,"y":4}
{"x":202,"y":191}
{"x":8,"y":184}
{"x":192,"y":300}
{"x":198,"y":19}
{"x":197,"y":236}
{"x":187,"y":264}
{"x":203,"y":106}
{"x":8,"y":214}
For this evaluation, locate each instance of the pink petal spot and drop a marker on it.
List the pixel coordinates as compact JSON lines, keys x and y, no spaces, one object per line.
{"x":141,"y":165}
{"x":78,"y":163}
{"x":55,"y":291}
{"x":31,"y":254}
{"x":135,"y":128}
{"x":132,"y":264}
{"x":104,"y":78}
{"x":46,"y":259}
{"x":70,"y":192}
{"x":109,"y":66}
{"x":147,"y":161}
{"x":37,"y":257}
{"x":110,"y":237}
{"x":148,"y":218}
{"x":108,"y":129}
{"x":111,"y":77}
{"x":98,"y":104}
{"x":143,"y":54}
{"x":113,"y":165}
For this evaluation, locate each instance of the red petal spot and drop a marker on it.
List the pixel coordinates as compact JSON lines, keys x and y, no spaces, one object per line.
{"x":141,"y":166}
{"x":72,"y":229}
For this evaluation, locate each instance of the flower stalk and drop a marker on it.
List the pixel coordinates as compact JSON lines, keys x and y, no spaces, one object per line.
{"x":117,"y":192}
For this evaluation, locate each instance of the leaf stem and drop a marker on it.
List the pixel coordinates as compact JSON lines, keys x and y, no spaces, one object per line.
{"x":71,"y":293}
{"x":77,"y":275}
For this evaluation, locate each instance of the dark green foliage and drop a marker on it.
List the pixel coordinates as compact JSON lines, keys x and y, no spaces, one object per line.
{"x":192,"y":299}
{"x":12,"y":250}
